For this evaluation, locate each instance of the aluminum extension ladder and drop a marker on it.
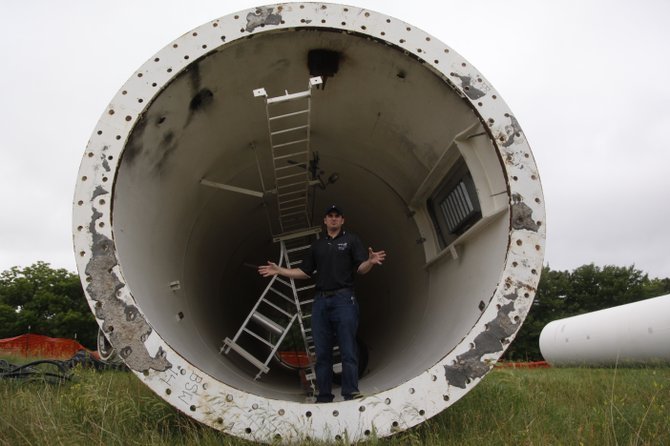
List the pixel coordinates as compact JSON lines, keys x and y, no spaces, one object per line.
{"x":282,"y":302}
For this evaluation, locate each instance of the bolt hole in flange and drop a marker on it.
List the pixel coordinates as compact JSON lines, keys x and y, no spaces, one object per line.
{"x":401,"y":137}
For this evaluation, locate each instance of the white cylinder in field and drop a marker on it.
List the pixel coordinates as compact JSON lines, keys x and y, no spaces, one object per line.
{"x":635,"y":333}
{"x":407,"y":132}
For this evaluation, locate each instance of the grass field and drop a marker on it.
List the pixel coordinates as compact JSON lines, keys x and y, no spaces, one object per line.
{"x":510,"y":407}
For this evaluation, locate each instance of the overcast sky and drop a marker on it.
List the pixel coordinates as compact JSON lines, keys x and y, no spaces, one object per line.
{"x":589,"y":82}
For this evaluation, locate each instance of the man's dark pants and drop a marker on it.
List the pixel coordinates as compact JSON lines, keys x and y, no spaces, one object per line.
{"x":335,"y":318}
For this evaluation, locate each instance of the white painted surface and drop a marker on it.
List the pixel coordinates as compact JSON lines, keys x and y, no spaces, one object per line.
{"x":383,"y":122}
{"x":635,"y":333}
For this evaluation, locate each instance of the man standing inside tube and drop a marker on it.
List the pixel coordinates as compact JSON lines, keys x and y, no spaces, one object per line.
{"x":333,"y":260}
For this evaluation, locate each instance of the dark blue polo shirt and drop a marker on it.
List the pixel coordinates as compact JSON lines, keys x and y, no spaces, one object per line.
{"x":335,"y":261}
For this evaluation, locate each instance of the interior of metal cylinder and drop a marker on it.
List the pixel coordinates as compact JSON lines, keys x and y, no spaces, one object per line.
{"x":389,"y":131}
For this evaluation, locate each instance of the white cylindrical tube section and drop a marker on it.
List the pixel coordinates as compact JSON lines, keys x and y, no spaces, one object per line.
{"x":631,"y":334}
{"x":413,"y":142}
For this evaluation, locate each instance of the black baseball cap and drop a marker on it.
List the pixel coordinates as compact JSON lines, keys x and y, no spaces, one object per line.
{"x":333,"y":208}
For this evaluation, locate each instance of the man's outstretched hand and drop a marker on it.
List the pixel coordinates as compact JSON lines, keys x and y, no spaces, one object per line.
{"x":376,"y":257}
{"x":271,"y":269}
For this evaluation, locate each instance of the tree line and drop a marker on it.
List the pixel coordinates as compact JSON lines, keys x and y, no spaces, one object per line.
{"x":43,"y":300}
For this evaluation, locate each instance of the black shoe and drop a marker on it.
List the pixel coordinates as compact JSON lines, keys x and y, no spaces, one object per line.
{"x":353,"y":396}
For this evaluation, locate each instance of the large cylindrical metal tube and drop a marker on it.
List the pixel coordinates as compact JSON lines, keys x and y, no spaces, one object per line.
{"x":631,"y":334}
{"x":421,"y":152}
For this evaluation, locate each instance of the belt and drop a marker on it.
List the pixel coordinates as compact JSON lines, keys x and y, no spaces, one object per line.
{"x":331,"y":293}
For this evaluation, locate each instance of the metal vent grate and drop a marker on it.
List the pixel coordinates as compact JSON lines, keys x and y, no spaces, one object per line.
{"x":457,"y":208}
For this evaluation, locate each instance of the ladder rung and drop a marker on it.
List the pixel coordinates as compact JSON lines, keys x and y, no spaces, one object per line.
{"x":279,"y":293}
{"x":300,"y":206}
{"x":290,"y":201}
{"x":301,"y":165}
{"x":292,"y":129}
{"x":287,"y":210}
{"x":267,"y":322}
{"x":293,"y":175}
{"x":278,"y":308}
{"x":283,"y":282}
{"x":299,"y":248}
{"x":297,"y":262}
{"x":264,"y":341}
{"x":297,"y":234}
{"x":293,"y":203}
{"x":284,"y":144}
{"x":286,"y":194}
{"x":291,"y":211}
{"x":290,"y":155}
{"x":305,"y":302}
{"x":289,"y":97}
{"x":287,"y":115}
{"x":246,"y":355}
{"x":298,"y":245}
{"x":299,"y":215}
{"x":288,"y":214}
{"x":294,"y":220}
{"x":299,"y":183}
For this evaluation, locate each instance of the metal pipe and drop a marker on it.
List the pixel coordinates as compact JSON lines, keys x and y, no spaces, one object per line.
{"x":401,"y":119}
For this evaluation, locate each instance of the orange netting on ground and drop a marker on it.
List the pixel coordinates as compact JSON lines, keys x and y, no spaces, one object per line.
{"x":38,"y":346}
{"x":524,"y":365}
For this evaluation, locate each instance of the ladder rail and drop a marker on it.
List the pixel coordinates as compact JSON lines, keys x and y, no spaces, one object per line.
{"x":304,"y":129}
{"x":260,"y":338}
{"x":301,"y":318}
{"x":279,"y":342}
{"x":276,"y":307}
{"x":228,"y":344}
